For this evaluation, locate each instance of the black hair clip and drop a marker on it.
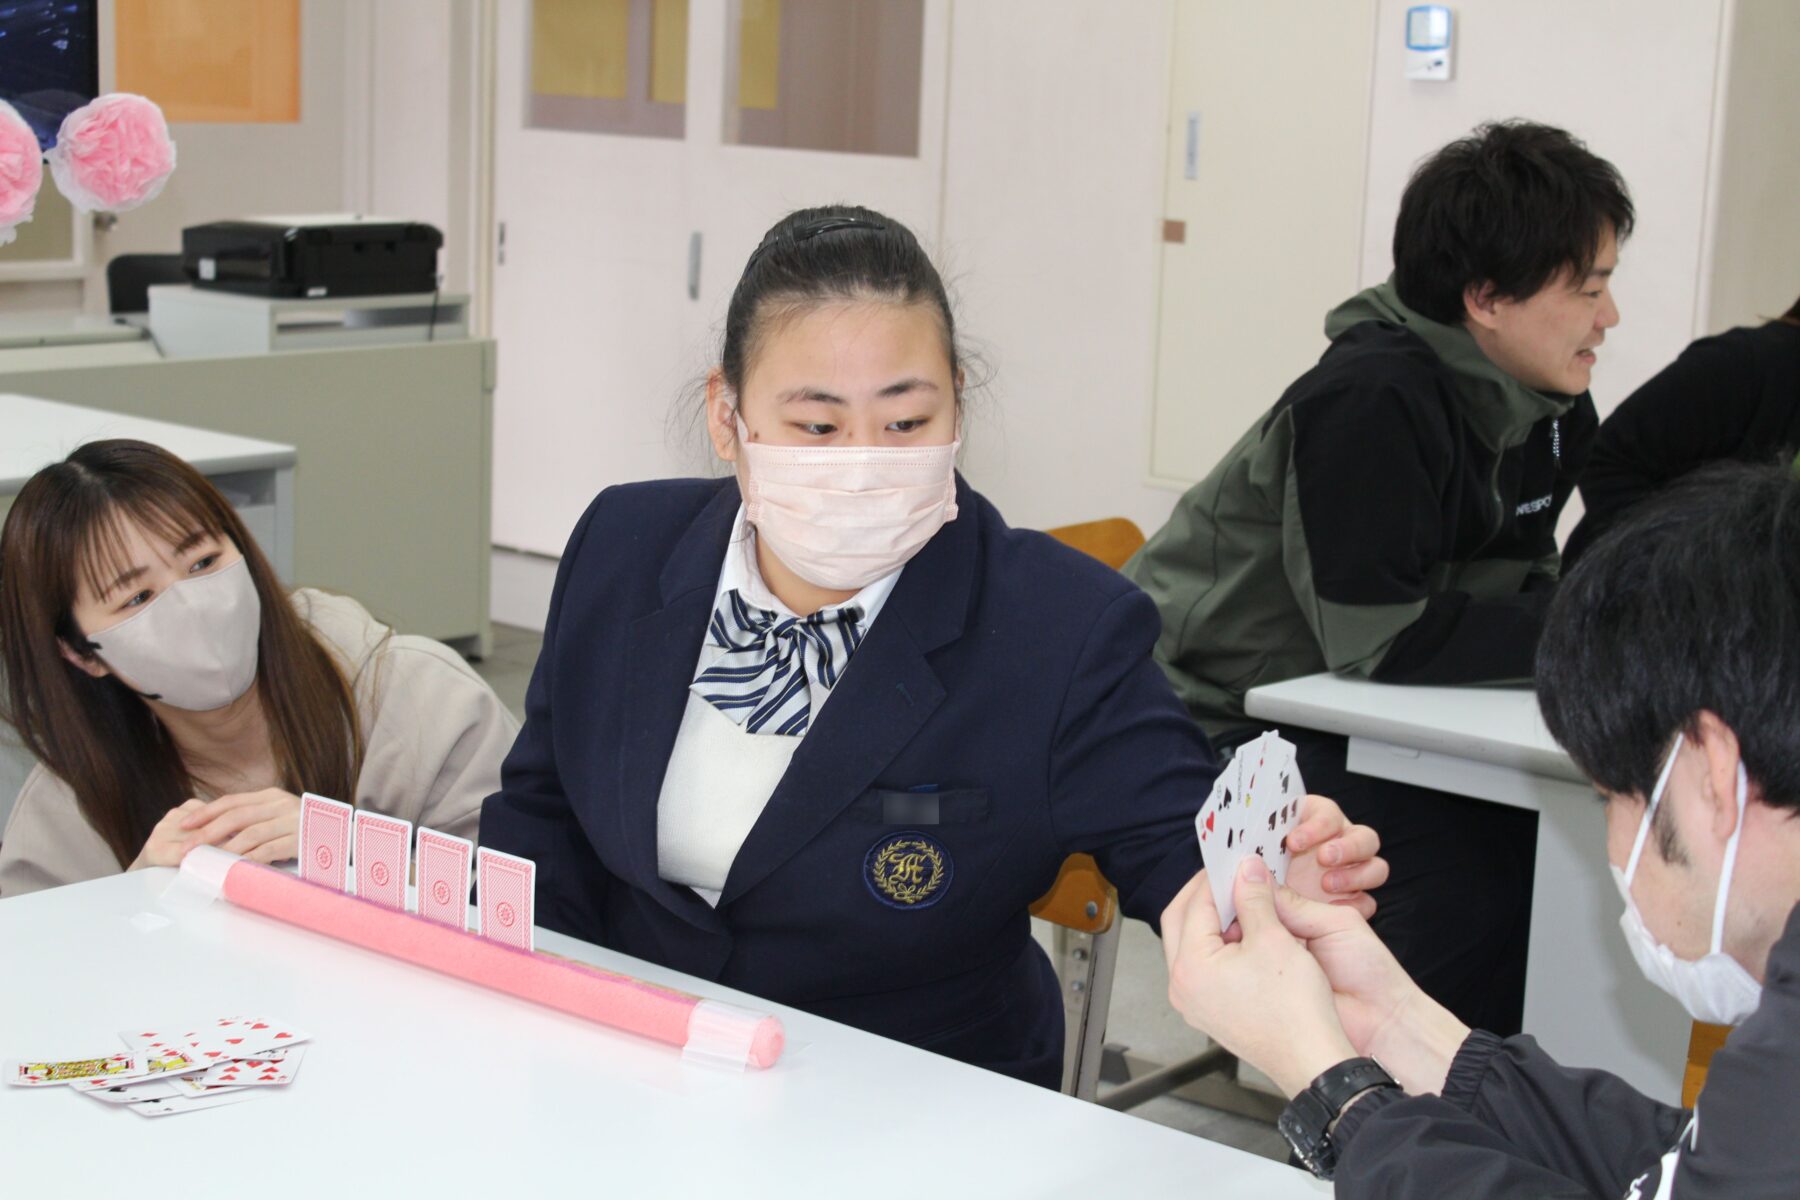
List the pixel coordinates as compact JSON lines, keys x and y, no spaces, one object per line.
{"x":811,"y":230}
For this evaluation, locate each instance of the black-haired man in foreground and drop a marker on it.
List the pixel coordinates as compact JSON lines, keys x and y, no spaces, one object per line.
{"x":1670,"y":671}
{"x":1394,"y":517}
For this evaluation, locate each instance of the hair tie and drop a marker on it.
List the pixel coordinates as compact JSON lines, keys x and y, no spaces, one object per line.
{"x":810,"y":230}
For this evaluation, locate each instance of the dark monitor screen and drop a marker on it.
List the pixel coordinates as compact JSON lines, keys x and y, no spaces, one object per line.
{"x":49,"y":61}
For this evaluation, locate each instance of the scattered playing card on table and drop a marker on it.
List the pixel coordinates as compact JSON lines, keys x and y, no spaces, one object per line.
{"x":506,"y":889}
{"x":168,"y":1106}
{"x":444,"y":878}
{"x":53,"y":1072}
{"x":272,"y":1070}
{"x":383,"y":852}
{"x":218,"y":1040}
{"x":131,"y":1091}
{"x":324,"y":841}
{"x":1253,"y":804}
{"x":177,"y":1069}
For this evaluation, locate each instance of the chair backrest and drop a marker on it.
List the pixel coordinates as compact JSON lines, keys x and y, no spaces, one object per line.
{"x":1080,"y":899}
{"x":1112,"y":541}
{"x":1703,"y":1043}
{"x":129,"y":276}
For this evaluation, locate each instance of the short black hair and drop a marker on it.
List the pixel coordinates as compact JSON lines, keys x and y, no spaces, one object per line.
{"x":1690,"y":603}
{"x":1514,"y":204}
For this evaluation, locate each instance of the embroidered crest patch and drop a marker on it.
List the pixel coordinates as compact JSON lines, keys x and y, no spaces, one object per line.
{"x":907,"y":870}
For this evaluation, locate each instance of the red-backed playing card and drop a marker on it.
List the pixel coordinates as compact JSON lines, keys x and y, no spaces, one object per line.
{"x":383,"y":850}
{"x":324,"y":841}
{"x":444,"y":878}
{"x":506,"y":887}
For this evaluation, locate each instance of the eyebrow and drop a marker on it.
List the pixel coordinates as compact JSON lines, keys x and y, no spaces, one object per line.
{"x":129,"y":574}
{"x":124,"y":578}
{"x":820,"y":396}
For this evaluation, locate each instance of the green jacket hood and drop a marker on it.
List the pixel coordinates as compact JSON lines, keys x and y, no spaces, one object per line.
{"x":1501,"y":408}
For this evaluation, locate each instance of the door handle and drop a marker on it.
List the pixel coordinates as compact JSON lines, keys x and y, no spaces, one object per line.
{"x":693,"y":276}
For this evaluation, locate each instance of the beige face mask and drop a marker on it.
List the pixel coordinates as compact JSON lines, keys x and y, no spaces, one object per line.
{"x":842,"y":517}
{"x":195,"y":645}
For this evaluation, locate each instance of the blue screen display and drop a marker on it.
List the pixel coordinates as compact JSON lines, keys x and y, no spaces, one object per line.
{"x":49,"y":61}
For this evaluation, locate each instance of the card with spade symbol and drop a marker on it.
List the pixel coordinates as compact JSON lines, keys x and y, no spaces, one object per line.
{"x":1253,"y":803}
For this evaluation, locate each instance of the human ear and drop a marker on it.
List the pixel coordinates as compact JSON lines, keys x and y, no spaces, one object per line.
{"x":89,"y":664}
{"x":1481,"y":305}
{"x":1719,"y":743}
{"x":721,"y":416}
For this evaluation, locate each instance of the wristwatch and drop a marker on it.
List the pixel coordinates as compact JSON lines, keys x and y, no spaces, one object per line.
{"x":1309,"y":1118}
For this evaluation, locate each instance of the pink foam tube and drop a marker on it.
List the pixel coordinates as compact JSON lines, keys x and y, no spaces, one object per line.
{"x":583,"y":991}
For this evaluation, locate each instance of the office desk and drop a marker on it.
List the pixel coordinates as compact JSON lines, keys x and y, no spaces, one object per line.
{"x":1585,"y":999}
{"x":395,"y":442}
{"x":257,"y":476}
{"x":506,"y":1095}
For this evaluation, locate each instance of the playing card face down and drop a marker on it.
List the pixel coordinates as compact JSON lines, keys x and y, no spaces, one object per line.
{"x":506,"y":890}
{"x":443,"y":878}
{"x":1253,"y":803}
{"x":325,"y":841}
{"x":383,"y":856}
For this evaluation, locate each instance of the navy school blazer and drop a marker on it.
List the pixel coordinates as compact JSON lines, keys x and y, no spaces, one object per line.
{"x":1002,"y":713}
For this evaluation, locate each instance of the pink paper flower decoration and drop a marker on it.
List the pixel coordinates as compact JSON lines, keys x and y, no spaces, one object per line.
{"x":21,"y":171}
{"x":112,"y":154}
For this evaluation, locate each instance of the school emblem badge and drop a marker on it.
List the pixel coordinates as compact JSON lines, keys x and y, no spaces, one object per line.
{"x":907,"y":870}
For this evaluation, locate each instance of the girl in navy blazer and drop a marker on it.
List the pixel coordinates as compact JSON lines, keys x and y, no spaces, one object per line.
{"x":824,"y":730}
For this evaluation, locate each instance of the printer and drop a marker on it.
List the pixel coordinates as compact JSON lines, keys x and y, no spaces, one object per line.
{"x":335,"y":254}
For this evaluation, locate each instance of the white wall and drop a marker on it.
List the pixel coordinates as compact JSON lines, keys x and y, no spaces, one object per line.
{"x":1054,"y":175}
{"x":416,"y":149}
{"x":1632,"y":78}
{"x":1052,"y":195}
{"x":1752,"y":270}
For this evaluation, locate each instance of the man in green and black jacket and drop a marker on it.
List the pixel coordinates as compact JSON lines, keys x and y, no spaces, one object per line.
{"x":1394,"y":517}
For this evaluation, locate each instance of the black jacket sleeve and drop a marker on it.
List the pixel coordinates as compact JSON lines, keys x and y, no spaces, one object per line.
{"x":530,"y":815}
{"x":1511,"y":1123}
{"x":1695,"y":410}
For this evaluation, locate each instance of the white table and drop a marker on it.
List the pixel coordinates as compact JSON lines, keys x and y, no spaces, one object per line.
{"x":1585,"y":999}
{"x":417,"y":1084}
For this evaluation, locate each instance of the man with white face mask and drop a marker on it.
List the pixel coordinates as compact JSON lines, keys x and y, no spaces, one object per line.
{"x":1670,"y":671}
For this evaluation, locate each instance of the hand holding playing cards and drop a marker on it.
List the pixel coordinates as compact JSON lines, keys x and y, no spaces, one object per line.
{"x":169,"y":841}
{"x":262,"y":826}
{"x":1334,"y":860}
{"x":1383,"y":1012}
{"x":1262,"y":997}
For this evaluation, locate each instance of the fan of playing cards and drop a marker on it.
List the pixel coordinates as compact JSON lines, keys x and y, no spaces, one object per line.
{"x":1253,"y":804}
{"x":179,"y":1069}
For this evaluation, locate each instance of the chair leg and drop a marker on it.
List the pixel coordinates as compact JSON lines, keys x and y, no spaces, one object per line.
{"x":1085,"y":964}
{"x":1157,"y":1083}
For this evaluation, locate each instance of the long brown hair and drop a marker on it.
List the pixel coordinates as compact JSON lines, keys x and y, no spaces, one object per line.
{"x":65,"y":528}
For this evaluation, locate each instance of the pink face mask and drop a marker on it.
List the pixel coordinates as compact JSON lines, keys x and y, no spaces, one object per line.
{"x":842,"y":517}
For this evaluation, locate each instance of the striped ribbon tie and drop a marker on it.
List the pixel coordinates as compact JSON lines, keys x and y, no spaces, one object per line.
{"x":764,"y":680}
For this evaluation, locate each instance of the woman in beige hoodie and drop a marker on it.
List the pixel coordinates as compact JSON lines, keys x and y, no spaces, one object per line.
{"x":174,"y":694}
